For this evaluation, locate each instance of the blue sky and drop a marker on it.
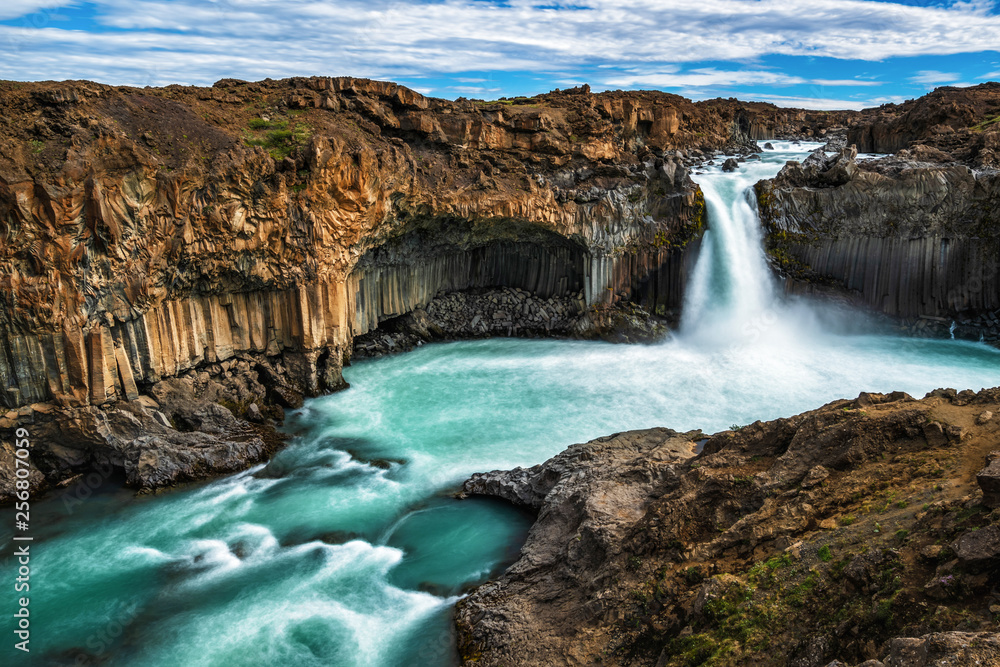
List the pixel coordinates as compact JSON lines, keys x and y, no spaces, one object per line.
{"x":822,"y":54}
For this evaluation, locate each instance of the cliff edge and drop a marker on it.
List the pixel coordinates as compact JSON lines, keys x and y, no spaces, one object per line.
{"x":864,"y":532}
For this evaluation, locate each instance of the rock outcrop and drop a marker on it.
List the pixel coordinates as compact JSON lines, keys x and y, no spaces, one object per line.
{"x":802,"y":541}
{"x":916,"y":235}
{"x":183,"y":434}
{"x":912,"y":239}
{"x":948,"y":123}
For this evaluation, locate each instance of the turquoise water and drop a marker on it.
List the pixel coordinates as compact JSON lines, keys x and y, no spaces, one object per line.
{"x":348,"y":549}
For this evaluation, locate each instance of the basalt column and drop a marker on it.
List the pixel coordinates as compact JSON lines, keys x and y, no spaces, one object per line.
{"x":387,"y":284}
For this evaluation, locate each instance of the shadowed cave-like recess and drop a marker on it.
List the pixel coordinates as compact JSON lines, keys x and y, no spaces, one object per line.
{"x":409,"y":272}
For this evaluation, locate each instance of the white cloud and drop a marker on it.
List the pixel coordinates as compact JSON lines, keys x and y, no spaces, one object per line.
{"x":200,"y":41}
{"x":797,"y":102}
{"x":13,"y":9}
{"x":845,"y":82}
{"x":704,"y":77}
{"x":931,"y":77}
{"x":472,"y":90}
{"x":886,"y":99}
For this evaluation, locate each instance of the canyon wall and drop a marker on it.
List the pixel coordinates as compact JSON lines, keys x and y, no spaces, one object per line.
{"x":960,"y":122}
{"x":912,"y":239}
{"x":150,"y":233}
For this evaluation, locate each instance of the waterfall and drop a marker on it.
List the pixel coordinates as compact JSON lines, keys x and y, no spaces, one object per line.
{"x":731,"y":291}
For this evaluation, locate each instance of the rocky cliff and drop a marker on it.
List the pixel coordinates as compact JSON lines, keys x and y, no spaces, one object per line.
{"x":243,"y":235}
{"x":961,"y":122}
{"x":864,"y":532}
{"x":915,"y":236}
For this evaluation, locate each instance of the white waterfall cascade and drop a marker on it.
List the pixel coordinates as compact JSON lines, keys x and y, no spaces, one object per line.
{"x":732,"y":294}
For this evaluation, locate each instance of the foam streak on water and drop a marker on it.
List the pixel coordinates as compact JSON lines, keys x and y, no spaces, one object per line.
{"x":346,"y":548}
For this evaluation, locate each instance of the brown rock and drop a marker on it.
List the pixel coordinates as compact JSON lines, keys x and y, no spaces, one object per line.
{"x":588,"y":559}
{"x":989,"y":480}
{"x":955,"y":649}
{"x":815,"y":476}
{"x":978,"y":546}
{"x":935,"y":434}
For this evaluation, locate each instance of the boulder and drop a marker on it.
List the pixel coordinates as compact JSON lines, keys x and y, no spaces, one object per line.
{"x":935,"y":434}
{"x":286,"y":397}
{"x":254,"y":414}
{"x":730,"y":164}
{"x":865,"y":569}
{"x":821,"y":171}
{"x":955,"y":649}
{"x":162,"y":460}
{"x":922,"y":153}
{"x":978,"y":547}
{"x":815,"y":476}
{"x":989,"y":480}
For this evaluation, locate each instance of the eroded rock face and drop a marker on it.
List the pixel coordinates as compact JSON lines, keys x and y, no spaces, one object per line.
{"x":910,"y":239}
{"x":959,"y":123}
{"x":157,"y":231}
{"x":759,"y":549}
{"x":587,"y":498}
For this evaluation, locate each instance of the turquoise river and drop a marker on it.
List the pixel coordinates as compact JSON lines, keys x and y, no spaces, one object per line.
{"x":348,"y":548}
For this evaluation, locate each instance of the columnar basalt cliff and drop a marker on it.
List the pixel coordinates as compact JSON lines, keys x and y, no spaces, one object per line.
{"x":244,"y":234}
{"x":915,"y":235}
{"x":914,"y":239}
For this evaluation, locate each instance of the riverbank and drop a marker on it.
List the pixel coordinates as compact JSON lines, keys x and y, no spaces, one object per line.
{"x":855,"y":532}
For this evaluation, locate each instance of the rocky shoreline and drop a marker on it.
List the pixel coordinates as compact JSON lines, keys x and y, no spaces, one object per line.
{"x":862,"y":533}
{"x":511,"y":312}
{"x":208,"y":422}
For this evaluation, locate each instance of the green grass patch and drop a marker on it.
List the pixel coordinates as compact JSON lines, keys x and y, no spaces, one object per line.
{"x":277,"y":136}
{"x":262,"y":124}
{"x":986,"y":123}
